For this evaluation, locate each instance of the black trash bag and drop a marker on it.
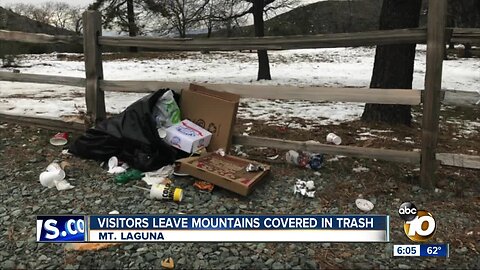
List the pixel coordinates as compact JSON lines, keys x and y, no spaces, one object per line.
{"x":131,"y":136}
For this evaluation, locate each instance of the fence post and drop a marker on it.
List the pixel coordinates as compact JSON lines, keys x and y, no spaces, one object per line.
{"x":433,"y":83}
{"x":94,"y":96}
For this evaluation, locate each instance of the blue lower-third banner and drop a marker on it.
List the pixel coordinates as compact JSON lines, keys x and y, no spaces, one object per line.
{"x":221,"y":228}
{"x":233,"y":228}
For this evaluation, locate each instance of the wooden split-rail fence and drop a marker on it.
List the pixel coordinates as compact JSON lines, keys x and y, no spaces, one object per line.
{"x":435,"y":36}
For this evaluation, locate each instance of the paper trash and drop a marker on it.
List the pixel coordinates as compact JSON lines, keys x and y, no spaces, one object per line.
{"x":305,"y":188}
{"x":188,"y":136}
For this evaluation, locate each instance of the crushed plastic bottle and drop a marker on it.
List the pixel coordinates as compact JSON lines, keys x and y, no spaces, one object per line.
{"x":305,"y":159}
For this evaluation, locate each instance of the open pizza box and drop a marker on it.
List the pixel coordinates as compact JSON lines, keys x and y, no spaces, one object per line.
{"x":228,"y":172}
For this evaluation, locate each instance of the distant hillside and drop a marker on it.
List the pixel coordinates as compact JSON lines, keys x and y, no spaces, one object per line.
{"x":327,"y":17}
{"x":15,"y":22}
{"x":339,"y":16}
{"x":321,"y":17}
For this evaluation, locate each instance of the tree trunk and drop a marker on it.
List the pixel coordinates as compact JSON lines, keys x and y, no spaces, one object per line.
{"x":132,"y":28}
{"x":393,"y":67}
{"x":468,"y":50}
{"x":263,"y":65}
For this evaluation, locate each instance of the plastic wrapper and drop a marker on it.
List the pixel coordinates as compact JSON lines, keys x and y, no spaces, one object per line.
{"x":166,"y":110}
{"x":305,"y":188}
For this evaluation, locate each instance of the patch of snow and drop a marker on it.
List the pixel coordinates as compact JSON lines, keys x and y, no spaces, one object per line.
{"x":338,"y":67}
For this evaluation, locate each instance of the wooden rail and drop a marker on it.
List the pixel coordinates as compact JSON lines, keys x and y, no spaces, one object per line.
{"x":43,"y":122}
{"x":459,"y":160}
{"x":353,"y":151}
{"x":461,"y":98}
{"x":448,"y":159}
{"x":458,"y":35}
{"x":382,"y":96}
{"x":38,"y":38}
{"x":435,"y":38}
{"x":466,"y":35}
{"x":372,"y":38}
{"x":46,"y":79}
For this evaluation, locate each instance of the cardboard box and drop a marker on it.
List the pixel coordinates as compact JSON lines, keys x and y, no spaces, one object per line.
{"x":187,"y":136}
{"x":214,"y":111}
{"x":228,"y":172}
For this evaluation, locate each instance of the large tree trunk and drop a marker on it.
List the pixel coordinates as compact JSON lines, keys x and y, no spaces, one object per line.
{"x":263,"y":65}
{"x":393,"y":67}
{"x":132,"y":28}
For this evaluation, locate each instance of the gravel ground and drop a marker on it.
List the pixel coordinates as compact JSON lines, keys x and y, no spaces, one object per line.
{"x":25,"y":152}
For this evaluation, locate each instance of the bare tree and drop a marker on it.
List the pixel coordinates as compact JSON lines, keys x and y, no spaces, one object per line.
{"x":182,"y":15}
{"x":258,"y":8}
{"x":119,"y":13}
{"x":31,"y":11}
{"x":57,"y":14}
{"x":393,"y":66}
{"x":224,"y":14}
{"x":76,"y":20}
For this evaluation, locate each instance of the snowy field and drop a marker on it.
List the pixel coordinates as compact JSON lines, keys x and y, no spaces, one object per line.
{"x":340,"y":67}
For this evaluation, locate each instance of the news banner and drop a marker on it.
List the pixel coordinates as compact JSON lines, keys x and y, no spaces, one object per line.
{"x":419,"y":227}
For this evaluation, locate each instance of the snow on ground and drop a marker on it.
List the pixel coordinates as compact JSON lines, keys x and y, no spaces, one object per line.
{"x":311,"y":67}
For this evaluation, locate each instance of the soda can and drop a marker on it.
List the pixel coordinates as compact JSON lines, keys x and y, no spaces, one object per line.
{"x":316,"y":161}
{"x":303,"y":160}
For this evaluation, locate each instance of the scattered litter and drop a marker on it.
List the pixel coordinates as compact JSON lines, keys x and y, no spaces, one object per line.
{"x":59,"y":139}
{"x":114,"y":212}
{"x":317,"y":173}
{"x":364,"y":205}
{"x":166,"y":111}
{"x":245,"y":134}
{"x":162,"y":133}
{"x":248,"y":124}
{"x":334,"y":138}
{"x":88,"y":246}
{"x":304,"y":159}
{"x":65,"y":164}
{"x":188,"y":136}
{"x":305,"y":188}
{"x":65,"y":152}
{"x":203,"y":185}
{"x":333,"y":159}
{"x":166,"y":192}
{"x":63,"y":185}
{"x":113,"y":167}
{"x":159,"y":176}
{"x":273,"y":157}
{"x":360,"y":169}
{"x":221,"y":152}
{"x":129,"y":175}
{"x":168,"y":263}
{"x":254,"y":168}
{"x":228,"y":172}
{"x":47,"y":179}
{"x":248,"y":129}
{"x":153,"y":180}
{"x":54,"y":177}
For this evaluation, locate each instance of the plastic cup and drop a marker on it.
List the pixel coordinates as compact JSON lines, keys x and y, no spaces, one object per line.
{"x":334,"y":138}
{"x":292,"y":157}
{"x":59,"y":139}
{"x":47,"y":179}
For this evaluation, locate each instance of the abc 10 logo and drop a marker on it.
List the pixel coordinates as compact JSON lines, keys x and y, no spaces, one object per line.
{"x":419,"y":225}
